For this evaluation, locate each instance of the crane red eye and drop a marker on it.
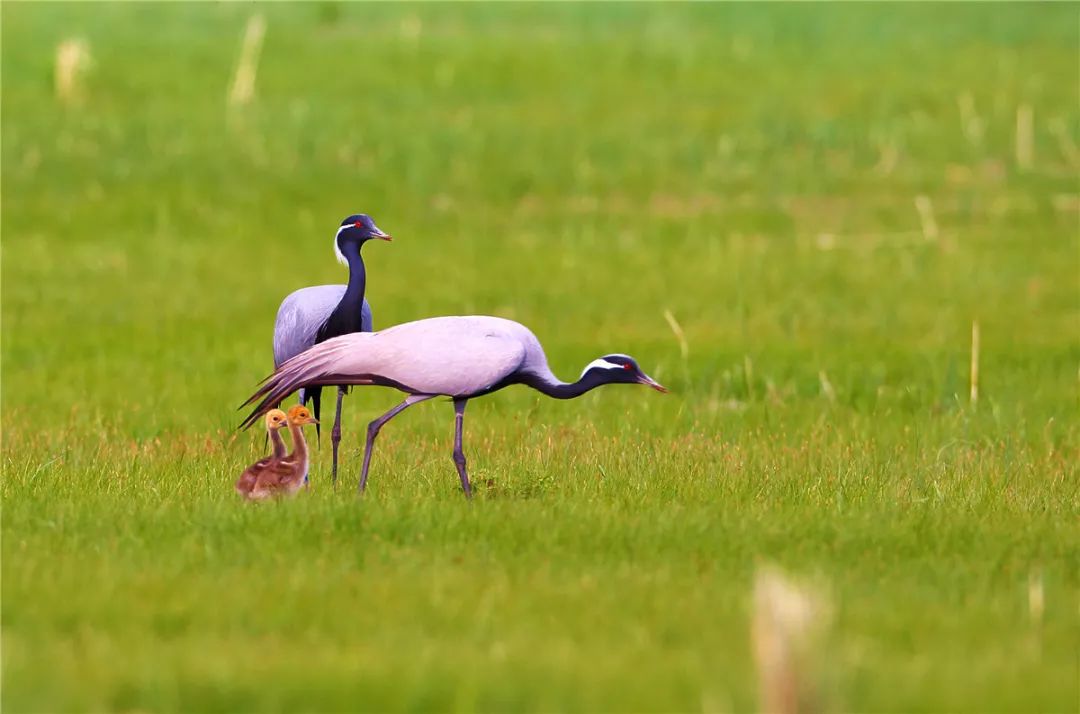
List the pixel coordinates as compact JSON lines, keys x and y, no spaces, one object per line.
{"x":626,"y":366}
{"x":358,"y":224}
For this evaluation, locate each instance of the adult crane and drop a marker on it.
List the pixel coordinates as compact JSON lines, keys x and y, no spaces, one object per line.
{"x":316,"y":314}
{"x":458,"y":357}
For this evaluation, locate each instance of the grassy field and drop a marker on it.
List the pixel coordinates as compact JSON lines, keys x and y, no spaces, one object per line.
{"x":824,"y":199}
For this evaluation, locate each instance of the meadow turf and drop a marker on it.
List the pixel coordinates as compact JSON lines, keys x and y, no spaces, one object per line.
{"x":753,"y":171}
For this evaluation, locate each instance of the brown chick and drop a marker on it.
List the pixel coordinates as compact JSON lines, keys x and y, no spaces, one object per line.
{"x":275,"y":421}
{"x":286,"y":476}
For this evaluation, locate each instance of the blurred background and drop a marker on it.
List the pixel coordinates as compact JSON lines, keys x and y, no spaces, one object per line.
{"x":842,"y":189}
{"x":802,"y":219}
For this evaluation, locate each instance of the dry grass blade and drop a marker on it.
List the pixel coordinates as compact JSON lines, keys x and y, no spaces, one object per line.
{"x":1036,"y":597}
{"x":888,"y":157}
{"x":926,"y":217}
{"x":72,"y":61}
{"x":975,"y":361}
{"x":242,"y":89}
{"x":1060,"y":130}
{"x":788,"y":619}
{"x":676,"y":328}
{"x":826,"y":386}
{"x":970,"y":122}
{"x":1025,"y":136}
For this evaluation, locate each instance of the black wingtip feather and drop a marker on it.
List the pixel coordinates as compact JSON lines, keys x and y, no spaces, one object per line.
{"x":316,"y":407}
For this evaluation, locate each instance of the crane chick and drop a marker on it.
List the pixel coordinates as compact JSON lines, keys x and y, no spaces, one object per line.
{"x":275,"y":421}
{"x":285,"y":476}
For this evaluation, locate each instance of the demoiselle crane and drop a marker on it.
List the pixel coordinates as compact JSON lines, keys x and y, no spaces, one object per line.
{"x":312,"y":315}
{"x":458,"y":357}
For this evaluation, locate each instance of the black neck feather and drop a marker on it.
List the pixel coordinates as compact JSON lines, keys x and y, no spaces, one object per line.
{"x":567,"y":390}
{"x":345,"y":319}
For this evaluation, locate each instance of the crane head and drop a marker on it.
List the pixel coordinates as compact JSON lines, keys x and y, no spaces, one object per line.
{"x":276,"y":419}
{"x":619,"y":368}
{"x":356,"y":230}
{"x":299,"y":415}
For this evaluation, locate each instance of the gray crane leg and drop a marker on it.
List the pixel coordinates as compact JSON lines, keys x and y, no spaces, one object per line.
{"x":373,"y":431}
{"x":335,"y":435}
{"x":459,"y":455}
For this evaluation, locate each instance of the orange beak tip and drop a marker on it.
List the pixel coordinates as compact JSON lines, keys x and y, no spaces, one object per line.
{"x":649,"y":382}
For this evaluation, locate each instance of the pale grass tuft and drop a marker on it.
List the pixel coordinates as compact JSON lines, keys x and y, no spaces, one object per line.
{"x":711,"y":703}
{"x":1036,"y":597}
{"x":970,"y":122}
{"x":411,"y":27}
{"x":72,"y":61}
{"x":889,"y":155}
{"x":1066,"y":202}
{"x":788,"y":620}
{"x":676,"y":328}
{"x":926,"y":217}
{"x":742,"y":47}
{"x":748,"y":375}
{"x":1025,"y":136}
{"x":825,"y":241}
{"x":242,"y":89}
{"x":974,"y":362}
{"x":1060,"y":130}
{"x":826,"y":386}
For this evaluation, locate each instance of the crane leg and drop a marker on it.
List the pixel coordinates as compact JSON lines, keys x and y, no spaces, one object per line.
{"x":335,"y":435}
{"x":373,"y":431}
{"x":459,"y":455}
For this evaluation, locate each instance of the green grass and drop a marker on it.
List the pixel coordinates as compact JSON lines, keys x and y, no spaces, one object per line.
{"x":583,"y":169}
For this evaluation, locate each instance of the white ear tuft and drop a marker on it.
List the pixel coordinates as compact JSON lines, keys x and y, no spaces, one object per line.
{"x":337,"y":251}
{"x":602,"y":363}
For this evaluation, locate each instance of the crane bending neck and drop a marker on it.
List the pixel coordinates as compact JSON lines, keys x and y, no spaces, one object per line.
{"x":551,"y":386}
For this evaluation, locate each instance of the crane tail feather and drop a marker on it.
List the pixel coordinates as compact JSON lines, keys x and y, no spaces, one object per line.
{"x":313,"y":368}
{"x":281,"y":388}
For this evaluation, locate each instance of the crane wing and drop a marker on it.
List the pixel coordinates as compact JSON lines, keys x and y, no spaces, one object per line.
{"x":302,"y":313}
{"x":455,"y":356}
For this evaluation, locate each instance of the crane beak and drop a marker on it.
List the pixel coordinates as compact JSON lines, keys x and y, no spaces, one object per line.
{"x":650,"y":382}
{"x":376,"y":232}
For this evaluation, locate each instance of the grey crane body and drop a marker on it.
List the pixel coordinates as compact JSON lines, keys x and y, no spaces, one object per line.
{"x":457,"y":357}
{"x":301,"y":314}
{"x":311,"y":315}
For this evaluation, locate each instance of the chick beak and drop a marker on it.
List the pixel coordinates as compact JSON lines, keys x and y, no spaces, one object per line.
{"x":650,"y":382}
{"x":312,"y":420}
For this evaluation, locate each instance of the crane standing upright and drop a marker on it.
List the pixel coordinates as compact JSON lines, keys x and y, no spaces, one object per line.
{"x":312,"y":315}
